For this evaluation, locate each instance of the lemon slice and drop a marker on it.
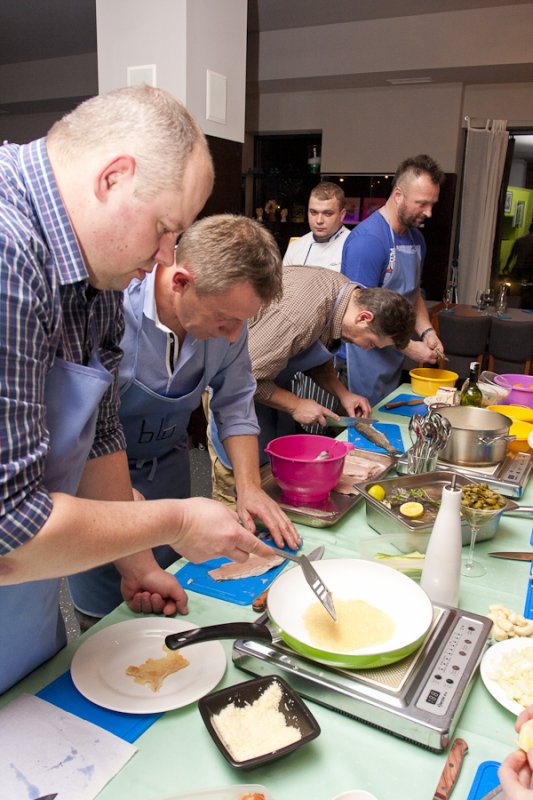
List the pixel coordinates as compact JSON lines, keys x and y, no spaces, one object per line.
{"x":377,"y":492}
{"x":412,"y":509}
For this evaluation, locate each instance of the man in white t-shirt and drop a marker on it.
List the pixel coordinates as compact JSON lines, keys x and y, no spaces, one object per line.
{"x":322,"y":246}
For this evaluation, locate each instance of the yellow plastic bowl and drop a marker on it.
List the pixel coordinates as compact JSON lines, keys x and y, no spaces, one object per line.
{"x":426,"y":381}
{"x":521,"y":430}
{"x":520,"y":413}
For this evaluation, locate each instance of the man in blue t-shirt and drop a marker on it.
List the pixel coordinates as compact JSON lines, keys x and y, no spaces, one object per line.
{"x":387,"y":249}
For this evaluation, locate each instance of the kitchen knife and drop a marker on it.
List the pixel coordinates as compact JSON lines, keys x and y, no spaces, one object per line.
{"x":514,"y":555}
{"x":348,"y":422}
{"x":451,"y":770}
{"x":494,"y":794}
{"x":397,"y":403}
{"x":259,"y":604}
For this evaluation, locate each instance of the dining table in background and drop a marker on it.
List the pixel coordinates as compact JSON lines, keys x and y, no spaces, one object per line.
{"x":176,"y":753}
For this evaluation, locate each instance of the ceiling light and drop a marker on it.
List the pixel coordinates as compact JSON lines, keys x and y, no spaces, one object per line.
{"x":402,"y":81}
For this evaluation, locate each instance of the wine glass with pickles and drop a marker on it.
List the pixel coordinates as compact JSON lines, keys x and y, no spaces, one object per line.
{"x":479,"y":505}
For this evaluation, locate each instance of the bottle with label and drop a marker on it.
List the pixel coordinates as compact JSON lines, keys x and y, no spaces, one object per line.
{"x":441,"y":574}
{"x":471,"y":394}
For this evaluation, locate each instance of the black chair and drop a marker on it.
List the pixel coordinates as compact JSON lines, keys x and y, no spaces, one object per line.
{"x":510,"y":346}
{"x":464,"y":339}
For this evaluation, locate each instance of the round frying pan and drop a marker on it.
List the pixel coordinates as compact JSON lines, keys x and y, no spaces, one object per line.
{"x":401,"y":598}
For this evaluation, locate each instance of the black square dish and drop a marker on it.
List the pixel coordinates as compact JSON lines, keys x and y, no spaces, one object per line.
{"x":244,"y":694}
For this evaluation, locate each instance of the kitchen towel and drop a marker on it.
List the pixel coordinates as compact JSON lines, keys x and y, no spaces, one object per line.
{"x":63,"y":693}
{"x":46,"y":750}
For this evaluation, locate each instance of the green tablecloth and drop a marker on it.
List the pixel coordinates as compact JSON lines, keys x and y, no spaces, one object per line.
{"x":177,"y":754}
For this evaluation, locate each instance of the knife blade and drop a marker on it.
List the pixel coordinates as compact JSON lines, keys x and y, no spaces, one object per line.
{"x":494,"y":794}
{"x":514,"y":555}
{"x":348,"y":422}
{"x":451,"y":770}
{"x":259,"y":604}
{"x":397,"y":403}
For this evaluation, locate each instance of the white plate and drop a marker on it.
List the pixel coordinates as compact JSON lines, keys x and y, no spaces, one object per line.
{"x":489,"y":662}
{"x":99,"y":666}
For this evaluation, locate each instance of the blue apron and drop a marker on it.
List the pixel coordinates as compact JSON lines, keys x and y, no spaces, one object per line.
{"x":155,"y":427}
{"x":274,"y":423}
{"x":32,"y":628}
{"x":375,"y":373}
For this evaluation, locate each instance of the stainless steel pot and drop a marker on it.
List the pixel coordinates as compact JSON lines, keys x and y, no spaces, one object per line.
{"x":478,"y":437}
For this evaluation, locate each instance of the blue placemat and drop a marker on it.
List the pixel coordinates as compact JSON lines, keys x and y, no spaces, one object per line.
{"x":486,"y":779}
{"x":242,"y":591}
{"x":406,"y":411}
{"x":391,"y":431}
{"x":63,"y":693}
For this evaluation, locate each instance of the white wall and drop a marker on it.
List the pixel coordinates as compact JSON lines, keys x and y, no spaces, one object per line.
{"x":488,"y":36}
{"x":184,"y":39}
{"x":370,"y":130}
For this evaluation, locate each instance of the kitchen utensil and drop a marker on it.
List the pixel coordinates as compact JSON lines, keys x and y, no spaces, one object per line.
{"x":520,"y":431}
{"x":47,"y":797}
{"x":396,"y":404}
{"x":476,"y":436}
{"x":514,"y":555}
{"x":427,"y":380}
{"x":348,"y":422}
{"x":515,"y":412}
{"x":314,"y":581}
{"x":259,"y":604}
{"x":296,"y":714}
{"x":451,"y":770}
{"x":301,"y":477}
{"x":396,"y":595}
{"x":391,"y":520}
{"x":419,"y":698}
{"x":494,"y":794}
{"x":521,"y":387}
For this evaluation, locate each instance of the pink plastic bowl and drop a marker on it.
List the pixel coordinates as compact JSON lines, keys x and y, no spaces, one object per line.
{"x":522,"y":394}
{"x":301,"y":478}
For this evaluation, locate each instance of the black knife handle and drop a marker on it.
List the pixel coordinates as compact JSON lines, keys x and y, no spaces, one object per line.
{"x":230,"y":630}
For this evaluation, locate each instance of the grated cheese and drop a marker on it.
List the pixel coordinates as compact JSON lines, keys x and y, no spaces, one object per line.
{"x":256,"y":728}
{"x":514,"y":673}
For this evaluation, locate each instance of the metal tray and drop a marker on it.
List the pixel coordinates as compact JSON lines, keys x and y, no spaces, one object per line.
{"x":389,"y":520}
{"x":330,"y":511}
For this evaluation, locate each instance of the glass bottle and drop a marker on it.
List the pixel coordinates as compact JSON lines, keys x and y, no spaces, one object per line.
{"x":441,"y":574}
{"x":471,"y":394}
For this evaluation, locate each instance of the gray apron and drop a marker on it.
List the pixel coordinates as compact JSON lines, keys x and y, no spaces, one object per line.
{"x":32,"y":628}
{"x":375,"y":373}
{"x":155,"y":427}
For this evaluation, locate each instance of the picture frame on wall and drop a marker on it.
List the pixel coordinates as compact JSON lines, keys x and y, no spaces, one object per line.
{"x":508,"y":202}
{"x":353,"y":208}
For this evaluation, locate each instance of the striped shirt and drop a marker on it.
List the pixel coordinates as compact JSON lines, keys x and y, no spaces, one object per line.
{"x":47,"y":309}
{"x":302,"y":317}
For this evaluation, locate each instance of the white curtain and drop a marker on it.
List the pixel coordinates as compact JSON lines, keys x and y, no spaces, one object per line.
{"x":482,"y":176}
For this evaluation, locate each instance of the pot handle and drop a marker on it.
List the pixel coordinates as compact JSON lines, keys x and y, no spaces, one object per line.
{"x":492,"y":439}
{"x":230,"y":630}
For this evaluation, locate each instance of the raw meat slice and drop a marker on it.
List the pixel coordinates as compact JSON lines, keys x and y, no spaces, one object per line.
{"x":256,"y":565}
